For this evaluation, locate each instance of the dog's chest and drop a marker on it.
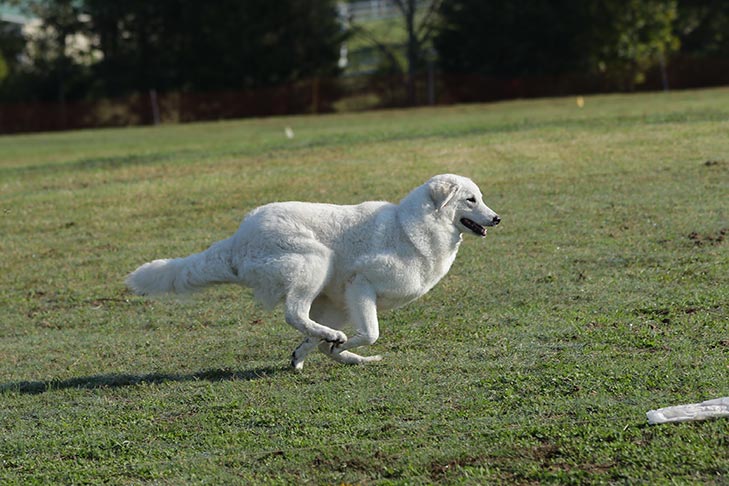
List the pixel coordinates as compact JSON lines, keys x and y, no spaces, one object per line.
{"x":409,"y":280}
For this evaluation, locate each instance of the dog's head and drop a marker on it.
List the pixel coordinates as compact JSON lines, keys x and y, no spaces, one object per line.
{"x":460,"y":201}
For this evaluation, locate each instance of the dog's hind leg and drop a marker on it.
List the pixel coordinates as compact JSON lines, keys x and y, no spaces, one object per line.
{"x":324,"y":312}
{"x":305,"y":284}
{"x":346,"y":357}
{"x":297,"y":315}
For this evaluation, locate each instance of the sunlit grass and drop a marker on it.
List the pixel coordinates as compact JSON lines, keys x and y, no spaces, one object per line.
{"x":603,"y":294}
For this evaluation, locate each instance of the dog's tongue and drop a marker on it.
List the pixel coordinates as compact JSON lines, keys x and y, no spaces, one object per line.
{"x":474,"y":227}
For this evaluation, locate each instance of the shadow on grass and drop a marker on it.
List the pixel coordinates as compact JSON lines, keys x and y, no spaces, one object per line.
{"x":115,"y":380}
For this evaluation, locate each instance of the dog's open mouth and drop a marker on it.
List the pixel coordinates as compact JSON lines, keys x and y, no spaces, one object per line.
{"x":474,"y":226}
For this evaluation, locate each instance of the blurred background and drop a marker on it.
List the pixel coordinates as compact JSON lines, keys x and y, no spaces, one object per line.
{"x":67,"y":64}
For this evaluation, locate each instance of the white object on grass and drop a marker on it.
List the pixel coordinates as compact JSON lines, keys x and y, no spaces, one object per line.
{"x":719,"y":407}
{"x":289,"y":132}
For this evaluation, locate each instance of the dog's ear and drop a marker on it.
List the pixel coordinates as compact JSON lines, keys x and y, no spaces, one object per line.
{"x":441,"y":192}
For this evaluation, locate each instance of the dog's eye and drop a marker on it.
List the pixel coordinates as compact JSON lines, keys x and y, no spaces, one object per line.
{"x":472,"y":200}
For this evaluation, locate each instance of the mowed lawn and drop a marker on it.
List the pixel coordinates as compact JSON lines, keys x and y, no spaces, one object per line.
{"x":603,"y":294}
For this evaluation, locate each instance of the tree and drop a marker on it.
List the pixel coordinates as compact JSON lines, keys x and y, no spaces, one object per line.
{"x":40,"y":62}
{"x":617,"y":39}
{"x":419,"y":34}
{"x":3,"y":67}
{"x":227,"y":44}
{"x":171,"y":45}
{"x":703,"y":27}
{"x":633,"y":37}
{"x":59,"y":22}
{"x":11,"y":46}
{"x":511,"y":39}
{"x":418,"y":19}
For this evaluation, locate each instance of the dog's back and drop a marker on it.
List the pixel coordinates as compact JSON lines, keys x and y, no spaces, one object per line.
{"x":284,"y":226}
{"x":281,"y":243}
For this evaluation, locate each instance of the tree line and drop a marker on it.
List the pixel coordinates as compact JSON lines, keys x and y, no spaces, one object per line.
{"x":619,"y":40}
{"x":137,"y":45}
{"x":88,"y":49}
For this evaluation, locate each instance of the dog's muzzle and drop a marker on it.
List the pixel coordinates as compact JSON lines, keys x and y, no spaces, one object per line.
{"x":476,"y":228}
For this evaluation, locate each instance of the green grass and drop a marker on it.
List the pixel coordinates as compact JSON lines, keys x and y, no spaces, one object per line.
{"x":603,"y":294}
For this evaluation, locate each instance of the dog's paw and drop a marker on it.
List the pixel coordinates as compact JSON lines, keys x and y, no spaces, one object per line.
{"x":337,"y":339}
{"x":297,"y":363}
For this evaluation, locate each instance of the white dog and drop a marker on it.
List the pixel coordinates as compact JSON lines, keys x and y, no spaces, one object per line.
{"x":332,"y":264}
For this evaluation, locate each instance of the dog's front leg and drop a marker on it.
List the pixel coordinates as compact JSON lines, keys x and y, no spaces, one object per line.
{"x":362,"y":306}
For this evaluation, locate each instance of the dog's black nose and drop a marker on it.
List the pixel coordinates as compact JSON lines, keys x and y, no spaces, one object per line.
{"x":496,"y":220}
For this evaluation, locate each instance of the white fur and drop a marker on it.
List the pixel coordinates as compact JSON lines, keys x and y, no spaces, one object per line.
{"x":331,"y":265}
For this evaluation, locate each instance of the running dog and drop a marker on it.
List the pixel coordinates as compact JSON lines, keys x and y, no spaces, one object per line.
{"x":335,"y":265}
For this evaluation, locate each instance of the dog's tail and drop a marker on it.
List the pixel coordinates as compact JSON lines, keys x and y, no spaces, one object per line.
{"x":185,"y":275}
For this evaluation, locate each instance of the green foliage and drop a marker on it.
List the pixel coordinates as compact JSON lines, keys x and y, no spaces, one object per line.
{"x":173,"y":45}
{"x":703,"y":27}
{"x":11,"y":45}
{"x":634,"y":37}
{"x":620,"y":40}
{"x":54,"y":72}
{"x":602,"y":294}
{"x":505,"y":38}
{"x":3,"y":67}
{"x":228,"y":44}
{"x":138,"y":45}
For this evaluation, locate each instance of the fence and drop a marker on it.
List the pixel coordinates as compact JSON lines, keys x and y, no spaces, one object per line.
{"x":332,"y":95}
{"x":311,"y":96}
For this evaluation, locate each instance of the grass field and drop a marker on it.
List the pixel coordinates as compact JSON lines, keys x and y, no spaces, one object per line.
{"x":604,"y":293}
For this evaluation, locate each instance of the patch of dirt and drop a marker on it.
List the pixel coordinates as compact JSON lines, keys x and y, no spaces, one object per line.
{"x":664,"y":314}
{"x":597,"y":468}
{"x":661,"y":311}
{"x":439,"y":470}
{"x":708,"y":239}
{"x":546,"y":452}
